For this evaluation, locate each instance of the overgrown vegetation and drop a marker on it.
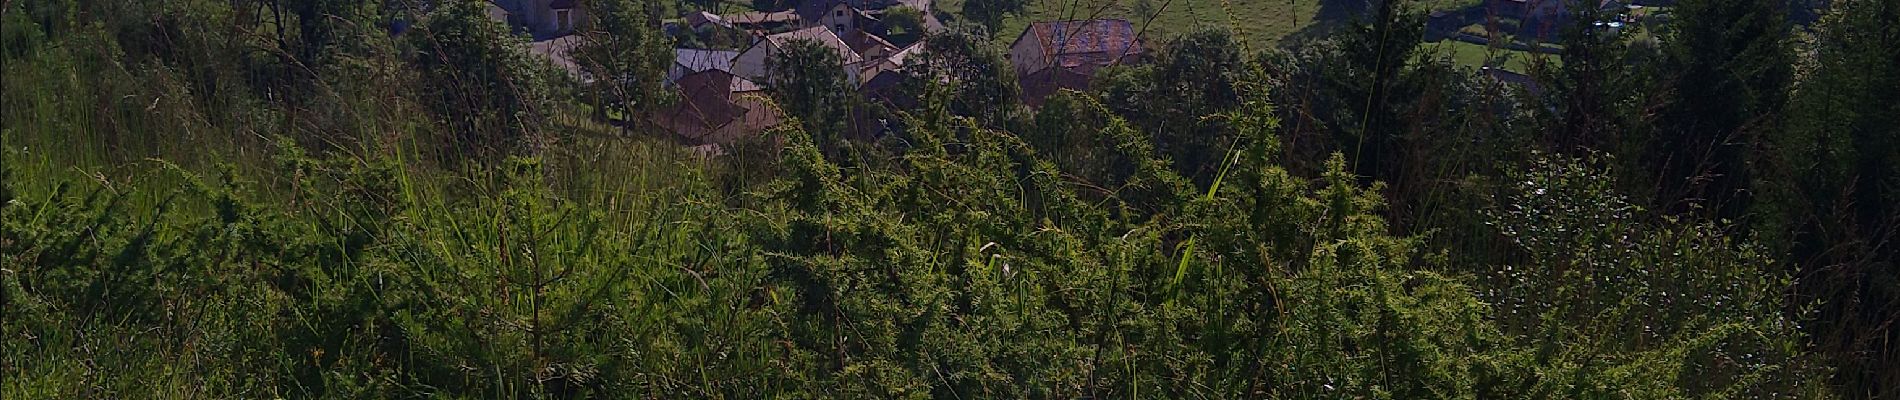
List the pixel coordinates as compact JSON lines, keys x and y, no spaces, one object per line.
{"x":365,"y":199}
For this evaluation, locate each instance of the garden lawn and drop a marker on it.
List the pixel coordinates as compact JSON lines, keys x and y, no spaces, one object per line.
{"x":1475,"y":56}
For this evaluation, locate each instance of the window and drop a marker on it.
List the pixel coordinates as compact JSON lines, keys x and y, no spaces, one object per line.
{"x":839,"y":28}
{"x":561,"y":21}
{"x":840,"y":12}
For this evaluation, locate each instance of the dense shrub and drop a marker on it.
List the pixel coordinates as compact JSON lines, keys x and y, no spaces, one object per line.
{"x":406,"y":215}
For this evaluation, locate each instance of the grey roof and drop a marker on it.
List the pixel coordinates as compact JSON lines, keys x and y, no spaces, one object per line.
{"x":495,"y":12}
{"x":934,"y":25}
{"x":903,"y":55}
{"x":698,"y":60}
{"x":823,"y":36}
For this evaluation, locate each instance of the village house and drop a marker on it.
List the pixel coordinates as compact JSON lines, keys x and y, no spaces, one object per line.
{"x":1541,"y":19}
{"x":883,"y":81}
{"x":754,"y":63}
{"x":689,"y":61}
{"x":866,"y":15}
{"x":1528,"y":9}
{"x":842,"y":17}
{"x":761,"y":22}
{"x":717,"y":108}
{"x":720,"y":90}
{"x":871,"y":48}
{"x":495,"y":12}
{"x":701,"y":21}
{"x":1050,"y":56}
{"x":882,"y":61}
{"x":542,"y":19}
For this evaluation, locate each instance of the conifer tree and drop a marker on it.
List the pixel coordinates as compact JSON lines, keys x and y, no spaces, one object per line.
{"x":1729,"y":67}
{"x":489,"y":91}
{"x":810,"y":84}
{"x":1199,"y":76}
{"x":1831,"y":188}
{"x":1596,"y":89}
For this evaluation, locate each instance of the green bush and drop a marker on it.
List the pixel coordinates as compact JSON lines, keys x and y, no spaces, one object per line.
{"x":180,"y":217}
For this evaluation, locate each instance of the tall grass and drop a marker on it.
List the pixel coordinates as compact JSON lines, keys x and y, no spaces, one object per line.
{"x":286,"y":247}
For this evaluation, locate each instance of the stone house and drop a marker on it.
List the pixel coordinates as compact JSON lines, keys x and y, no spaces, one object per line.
{"x":1050,"y":56}
{"x":544,"y":19}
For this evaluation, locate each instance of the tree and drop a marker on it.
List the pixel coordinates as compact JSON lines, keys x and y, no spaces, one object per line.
{"x":6,"y":174}
{"x":1088,"y":144}
{"x":627,"y":56}
{"x":1731,"y":68}
{"x":982,"y":84}
{"x":25,"y":27}
{"x":1436,"y":132}
{"x":1376,"y":55}
{"x":1830,"y":187}
{"x":322,"y":24}
{"x":1199,"y":75}
{"x":990,"y":13}
{"x":480,"y":80}
{"x":1346,"y":91}
{"x":1628,"y":291}
{"x":1596,"y":90}
{"x":720,"y":37}
{"x":810,"y":84}
{"x":906,"y":24}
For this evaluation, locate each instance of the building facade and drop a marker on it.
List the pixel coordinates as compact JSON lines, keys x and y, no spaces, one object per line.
{"x":545,"y":19}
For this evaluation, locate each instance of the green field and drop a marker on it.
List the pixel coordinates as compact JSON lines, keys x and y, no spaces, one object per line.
{"x":1473,"y":55}
{"x":1257,"y":22}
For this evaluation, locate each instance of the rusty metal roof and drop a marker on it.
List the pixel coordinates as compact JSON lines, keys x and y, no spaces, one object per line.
{"x":1115,"y":36}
